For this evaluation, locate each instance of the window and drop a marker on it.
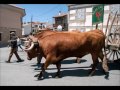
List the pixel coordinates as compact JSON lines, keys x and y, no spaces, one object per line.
{"x":0,"y":36}
{"x":59,"y":22}
{"x":43,"y":26}
{"x":80,"y":15}
{"x":114,"y":8}
{"x":40,"y":27}
{"x":36,"y":26}
{"x":33,"y":30}
{"x":72,"y":11}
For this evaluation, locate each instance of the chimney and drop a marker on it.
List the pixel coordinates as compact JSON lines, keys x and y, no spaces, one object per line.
{"x":59,"y":12}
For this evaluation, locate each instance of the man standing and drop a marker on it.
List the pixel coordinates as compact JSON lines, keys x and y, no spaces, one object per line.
{"x":14,"y":46}
{"x":59,"y":28}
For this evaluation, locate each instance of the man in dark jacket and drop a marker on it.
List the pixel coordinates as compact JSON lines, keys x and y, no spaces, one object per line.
{"x":14,"y":46}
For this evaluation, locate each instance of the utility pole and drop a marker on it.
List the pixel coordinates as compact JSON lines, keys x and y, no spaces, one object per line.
{"x":31,"y":23}
{"x":96,"y":26}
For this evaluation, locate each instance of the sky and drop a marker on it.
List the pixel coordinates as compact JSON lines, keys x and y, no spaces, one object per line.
{"x":42,"y":12}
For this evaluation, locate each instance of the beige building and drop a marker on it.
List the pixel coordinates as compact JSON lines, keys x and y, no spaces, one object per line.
{"x":61,"y":19}
{"x":80,"y":16}
{"x":10,"y":21}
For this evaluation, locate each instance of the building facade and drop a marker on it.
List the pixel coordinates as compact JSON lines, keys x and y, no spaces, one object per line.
{"x":34,"y":27}
{"x":61,"y":19}
{"x":80,"y":16}
{"x":10,"y":21}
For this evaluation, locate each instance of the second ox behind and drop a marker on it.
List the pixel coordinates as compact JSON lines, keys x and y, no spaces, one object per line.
{"x":56,"y":47}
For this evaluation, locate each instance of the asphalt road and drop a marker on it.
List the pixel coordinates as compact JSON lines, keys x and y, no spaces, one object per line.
{"x":73,"y":74}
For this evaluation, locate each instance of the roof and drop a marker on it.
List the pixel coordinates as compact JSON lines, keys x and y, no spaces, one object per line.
{"x":62,"y":15}
{"x":38,"y":22}
{"x":76,"y":6}
{"x":14,"y":7}
{"x":34,"y":23}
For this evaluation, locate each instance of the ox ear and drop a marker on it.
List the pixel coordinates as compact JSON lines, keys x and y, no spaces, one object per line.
{"x":34,"y":39}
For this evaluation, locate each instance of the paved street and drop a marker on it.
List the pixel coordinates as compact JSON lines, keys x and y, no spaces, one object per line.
{"x":73,"y":74}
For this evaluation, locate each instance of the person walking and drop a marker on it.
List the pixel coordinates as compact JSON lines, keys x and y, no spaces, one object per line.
{"x":13,"y":50}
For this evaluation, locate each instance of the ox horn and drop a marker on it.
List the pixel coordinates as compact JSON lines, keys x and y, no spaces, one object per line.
{"x":32,"y":45}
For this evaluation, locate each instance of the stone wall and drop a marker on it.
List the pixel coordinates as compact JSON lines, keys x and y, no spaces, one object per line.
{"x":5,"y":34}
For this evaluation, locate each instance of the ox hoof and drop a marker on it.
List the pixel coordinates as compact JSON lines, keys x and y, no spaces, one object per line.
{"x":107,"y":75}
{"x":40,"y":78}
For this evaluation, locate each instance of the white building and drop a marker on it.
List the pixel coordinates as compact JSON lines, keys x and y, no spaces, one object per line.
{"x":80,"y":16}
{"x":26,"y":29}
{"x":36,"y":26}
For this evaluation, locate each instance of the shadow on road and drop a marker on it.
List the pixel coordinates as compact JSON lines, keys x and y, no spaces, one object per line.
{"x":34,"y":65}
{"x":112,"y":66}
{"x":72,"y":61}
{"x":81,"y":71}
{"x":74,"y":73}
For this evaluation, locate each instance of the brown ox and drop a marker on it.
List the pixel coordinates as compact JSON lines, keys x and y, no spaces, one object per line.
{"x":59,"y":46}
{"x":42,"y":34}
